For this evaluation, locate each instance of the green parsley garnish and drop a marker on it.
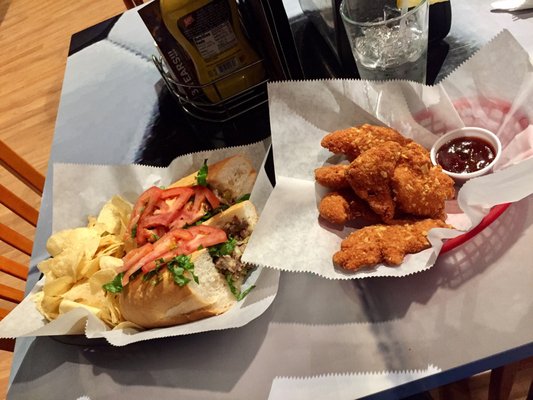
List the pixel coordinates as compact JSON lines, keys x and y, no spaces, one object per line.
{"x":155,"y":237}
{"x":223,"y":249}
{"x":211,"y":213}
{"x":178,"y":266}
{"x":244,"y":197}
{"x":134,"y":231}
{"x":115,"y":286}
{"x":201,"y":178}
{"x":237,"y":293}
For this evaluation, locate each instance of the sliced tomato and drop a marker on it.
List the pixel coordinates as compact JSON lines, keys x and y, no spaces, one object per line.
{"x":170,"y":204}
{"x":187,"y":216}
{"x":157,"y":219}
{"x":168,"y":242}
{"x":182,"y":234}
{"x":169,"y":255}
{"x":174,"y":243}
{"x":177,"y":192}
{"x":144,"y":206}
{"x":205,"y":236}
{"x":209,"y":195}
{"x":135,"y":255}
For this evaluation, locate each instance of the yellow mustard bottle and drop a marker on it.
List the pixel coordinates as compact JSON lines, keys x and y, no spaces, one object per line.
{"x":210,"y":32}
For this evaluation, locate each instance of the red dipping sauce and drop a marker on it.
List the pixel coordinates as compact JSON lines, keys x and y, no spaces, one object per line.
{"x":465,"y":154}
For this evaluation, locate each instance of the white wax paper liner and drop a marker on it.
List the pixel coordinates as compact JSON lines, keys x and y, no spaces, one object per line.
{"x":343,"y":386}
{"x":490,"y":90}
{"x":81,"y":190}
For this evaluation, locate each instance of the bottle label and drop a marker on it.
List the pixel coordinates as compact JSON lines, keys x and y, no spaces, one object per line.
{"x":210,"y":30}
{"x":180,"y":64}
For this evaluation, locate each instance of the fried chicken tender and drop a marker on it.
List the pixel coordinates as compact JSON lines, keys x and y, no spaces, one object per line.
{"x":419,"y":187}
{"x":344,"y":206}
{"x":369,"y":176}
{"x":400,"y":179}
{"x":389,"y":244}
{"x":356,"y":140}
{"x":332,"y":176}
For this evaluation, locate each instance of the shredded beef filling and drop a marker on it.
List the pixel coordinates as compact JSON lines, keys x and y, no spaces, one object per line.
{"x":231,"y":263}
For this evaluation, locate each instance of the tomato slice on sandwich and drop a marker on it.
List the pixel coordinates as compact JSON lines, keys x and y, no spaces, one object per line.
{"x":159,"y":210}
{"x":174,"y":243}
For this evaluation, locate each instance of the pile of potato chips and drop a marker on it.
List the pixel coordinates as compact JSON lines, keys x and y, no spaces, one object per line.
{"x":82,"y":260}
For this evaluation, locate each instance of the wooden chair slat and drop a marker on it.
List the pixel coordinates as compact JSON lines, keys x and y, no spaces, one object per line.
{"x":15,"y":239}
{"x":33,"y":179}
{"x":7,"y":344}
{"x":3,"y":313}
{"x":21,"y":168}
{"x":11,"y":294}
{"x":13,"y":268}
{"x":18,"y":206}
{"x":133,"y":3}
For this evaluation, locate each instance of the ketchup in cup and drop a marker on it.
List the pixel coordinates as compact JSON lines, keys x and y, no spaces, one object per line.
{"x":465,"y":154}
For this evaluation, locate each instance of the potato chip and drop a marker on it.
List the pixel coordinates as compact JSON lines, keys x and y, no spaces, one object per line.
{"x":64,"y":264}
{"x":82,"y":293}
{"x":85,"y":238}
{"x":58,"y":286}
{"x":86,"y":268}
{"x":108,"y":262}
{"x":111,"y":245}
{"x":100,"y":278}
{"x":49,"y":307}
{"x":69,"y":305}
{"x":83,"y":260}
{"x":115,"y":215}
{"x":129,"y":326}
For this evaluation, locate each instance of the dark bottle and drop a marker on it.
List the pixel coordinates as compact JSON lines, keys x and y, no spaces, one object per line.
{"x":440,"y":19}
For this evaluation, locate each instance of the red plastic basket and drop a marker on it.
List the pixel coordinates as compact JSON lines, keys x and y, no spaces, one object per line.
{"x":492,"y":216}
{"x":483,"y":113}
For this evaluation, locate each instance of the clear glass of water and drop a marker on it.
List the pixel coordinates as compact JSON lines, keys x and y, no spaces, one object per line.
{"x":389,"y":38}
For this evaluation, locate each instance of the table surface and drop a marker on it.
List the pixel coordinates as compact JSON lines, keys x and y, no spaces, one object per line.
{"x":473,"y":311}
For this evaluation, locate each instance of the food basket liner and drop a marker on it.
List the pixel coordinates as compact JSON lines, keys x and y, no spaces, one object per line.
{"x":81,"y":190}
{"x":490,"y":90}
{"x":343,"y":386}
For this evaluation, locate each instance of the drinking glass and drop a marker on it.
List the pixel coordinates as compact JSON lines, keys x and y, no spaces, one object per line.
{"x":389,"y":38}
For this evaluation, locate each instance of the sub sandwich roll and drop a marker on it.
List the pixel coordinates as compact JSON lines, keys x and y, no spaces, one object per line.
{"x":229,"y":179}
{"x":191,"y":200}
{"x":160,"y":302}
{"x":210,"y":279}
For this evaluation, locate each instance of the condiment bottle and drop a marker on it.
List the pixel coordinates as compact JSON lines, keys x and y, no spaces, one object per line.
{"x":440,"y":19}
{"x":210,"y":32}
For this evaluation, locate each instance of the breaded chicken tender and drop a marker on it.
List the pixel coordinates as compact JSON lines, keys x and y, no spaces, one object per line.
{"x":391,"y":183}
{"x":422,"y":195}
{"x":344,"y":206}
{"x":400,"y":179}
{"x":355,"y":140}
{"x":332,"y":176}
{"x":389,"y":244}
{"x":419,"y":187}
{"x":369,"y":176}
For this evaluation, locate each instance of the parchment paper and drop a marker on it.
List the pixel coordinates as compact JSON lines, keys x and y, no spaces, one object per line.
{"x":343,"y":387}
{"x":82,"y":190}
{"x":490,"y":90}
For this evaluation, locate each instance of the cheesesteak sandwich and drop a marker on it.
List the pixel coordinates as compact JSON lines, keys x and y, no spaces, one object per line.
{"x":186,"y":288}
{"x":185,"y":245}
